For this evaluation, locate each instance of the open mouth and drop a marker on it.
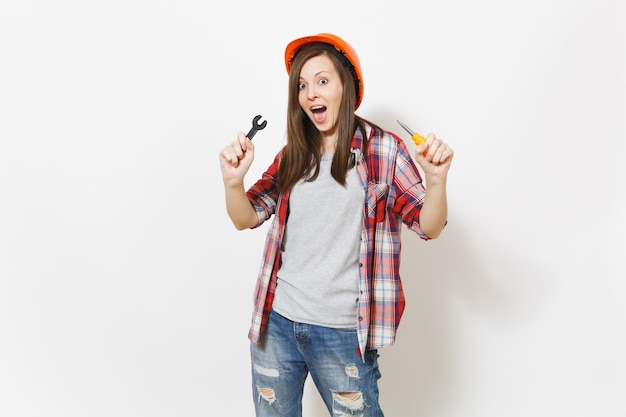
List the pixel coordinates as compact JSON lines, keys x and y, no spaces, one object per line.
{"x":319,"y":113}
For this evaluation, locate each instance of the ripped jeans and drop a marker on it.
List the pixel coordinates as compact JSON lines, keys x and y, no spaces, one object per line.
{"x":290,"y":351}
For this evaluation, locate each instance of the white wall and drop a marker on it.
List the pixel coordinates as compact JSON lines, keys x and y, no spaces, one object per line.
{"x":125,"y":291}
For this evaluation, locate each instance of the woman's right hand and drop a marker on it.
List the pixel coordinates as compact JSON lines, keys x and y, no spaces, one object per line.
{"x":235,"y":160}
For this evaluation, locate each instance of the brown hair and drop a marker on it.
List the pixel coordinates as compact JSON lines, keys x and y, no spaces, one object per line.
{"x":301,"y":159}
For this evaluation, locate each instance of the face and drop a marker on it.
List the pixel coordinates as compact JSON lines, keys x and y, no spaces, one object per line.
{"x":320,"y":92}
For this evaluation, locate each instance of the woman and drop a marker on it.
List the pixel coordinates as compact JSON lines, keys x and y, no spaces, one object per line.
{"x":329,"y":294}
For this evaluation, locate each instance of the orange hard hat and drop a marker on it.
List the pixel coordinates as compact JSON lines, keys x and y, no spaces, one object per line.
{"x":340,"y":46}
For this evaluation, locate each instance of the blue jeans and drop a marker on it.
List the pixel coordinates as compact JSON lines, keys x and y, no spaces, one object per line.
{"x":290,"y":351}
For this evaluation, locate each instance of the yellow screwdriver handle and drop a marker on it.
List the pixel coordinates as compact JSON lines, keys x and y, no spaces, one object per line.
{"x":418,"y":139}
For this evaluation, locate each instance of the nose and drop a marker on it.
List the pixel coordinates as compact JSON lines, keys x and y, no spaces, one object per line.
{"x":312,"y":92}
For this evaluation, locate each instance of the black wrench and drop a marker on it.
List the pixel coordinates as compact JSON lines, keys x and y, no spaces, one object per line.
{"x":256,"y":126}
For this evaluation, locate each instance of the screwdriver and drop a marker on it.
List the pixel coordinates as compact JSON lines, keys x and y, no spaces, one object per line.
{"x":417,"y":138}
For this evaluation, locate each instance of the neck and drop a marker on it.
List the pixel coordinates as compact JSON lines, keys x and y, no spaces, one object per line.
{"x":329,"y":143}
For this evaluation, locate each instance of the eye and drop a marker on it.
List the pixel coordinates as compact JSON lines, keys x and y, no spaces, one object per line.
{"x":301,"y":86}
{"x":323,"y":81}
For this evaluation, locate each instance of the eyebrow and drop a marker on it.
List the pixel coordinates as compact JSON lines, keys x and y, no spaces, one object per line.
{"x":318,"y":73}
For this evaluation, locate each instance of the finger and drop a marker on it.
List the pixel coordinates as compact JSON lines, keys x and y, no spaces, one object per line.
{"x":438,"y":157}
{"x":431,"y":147}
{"x":447,"y":155}
{"x":238,"y":147}
{"x":244,"y":143}
{"x":237,"y":150}
{"x":422,"y":150}
{"x":229,"y":155}
{"x":234,"y":152}
{"x":444,"y":154}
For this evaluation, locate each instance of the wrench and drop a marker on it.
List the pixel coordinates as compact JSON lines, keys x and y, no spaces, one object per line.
{"x":256,"y":126}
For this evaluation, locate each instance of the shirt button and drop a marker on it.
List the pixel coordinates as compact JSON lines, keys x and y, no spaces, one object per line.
{"x":360,"y":318}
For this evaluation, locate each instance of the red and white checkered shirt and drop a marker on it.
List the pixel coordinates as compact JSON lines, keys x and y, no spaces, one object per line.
{"x":394,"y":193}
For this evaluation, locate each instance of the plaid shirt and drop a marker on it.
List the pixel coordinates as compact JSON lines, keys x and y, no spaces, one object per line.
{"x":394,"y":193}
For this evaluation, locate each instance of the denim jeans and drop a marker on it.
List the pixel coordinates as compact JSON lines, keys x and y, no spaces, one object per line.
{"x":290,"y":351}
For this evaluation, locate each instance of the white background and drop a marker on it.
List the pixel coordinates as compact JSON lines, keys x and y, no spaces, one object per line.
{"x":125,"y":290}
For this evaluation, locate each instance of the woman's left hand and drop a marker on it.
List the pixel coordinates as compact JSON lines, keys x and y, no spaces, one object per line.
{"x":434,"y":156}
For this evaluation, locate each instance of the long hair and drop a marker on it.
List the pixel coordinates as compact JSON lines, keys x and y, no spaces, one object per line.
{"x":302,"y":156}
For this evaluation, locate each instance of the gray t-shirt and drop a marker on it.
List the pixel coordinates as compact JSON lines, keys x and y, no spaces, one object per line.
{"x":318,"y":279}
